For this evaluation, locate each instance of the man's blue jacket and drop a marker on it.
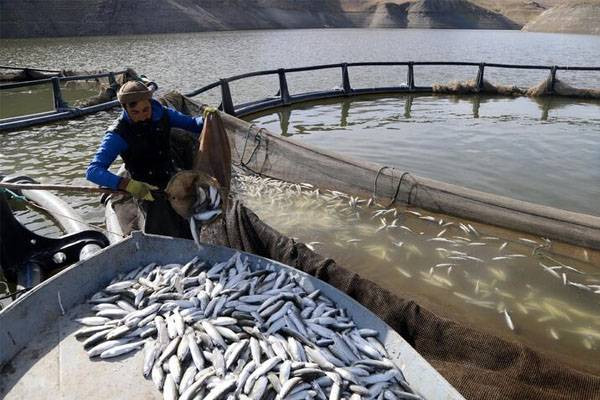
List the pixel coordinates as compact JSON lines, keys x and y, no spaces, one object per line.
{"x":112,"y":145}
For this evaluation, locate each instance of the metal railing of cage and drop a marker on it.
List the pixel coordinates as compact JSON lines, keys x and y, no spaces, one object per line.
{"x":284,"y":98}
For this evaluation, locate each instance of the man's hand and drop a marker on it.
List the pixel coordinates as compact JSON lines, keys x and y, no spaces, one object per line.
{"x":140,"y":190}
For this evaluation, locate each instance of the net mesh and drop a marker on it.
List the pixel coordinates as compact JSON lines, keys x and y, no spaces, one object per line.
{"x":478,"y":365}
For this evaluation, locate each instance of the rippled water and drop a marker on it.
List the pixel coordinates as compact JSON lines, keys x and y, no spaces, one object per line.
{"x":39,"y":98}
{"x":542,"y":151}
{"x":192,"y":60}
{"x":57,"y":153}
{"x":60,"y":152}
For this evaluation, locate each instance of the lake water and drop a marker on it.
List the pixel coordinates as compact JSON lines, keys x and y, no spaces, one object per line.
{"x":542,"y":151}
{"x":515,"y":147}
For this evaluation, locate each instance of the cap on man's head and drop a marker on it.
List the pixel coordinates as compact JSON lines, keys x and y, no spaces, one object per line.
{"x":133,"y":91}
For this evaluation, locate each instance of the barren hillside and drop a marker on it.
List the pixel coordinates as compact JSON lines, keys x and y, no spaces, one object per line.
{"x":46,"y":18}
{"x":579,"y":16}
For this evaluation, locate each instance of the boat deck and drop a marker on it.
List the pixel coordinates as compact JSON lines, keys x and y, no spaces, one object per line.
{"x":41,"y":358}
{"x":55,"y":365}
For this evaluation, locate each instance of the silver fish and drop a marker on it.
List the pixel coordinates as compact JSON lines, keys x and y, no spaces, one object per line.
{"x":121,"y":349}
{"x":170,"y":388}
{"x":508,"y":320}
{"x":228,"y":330}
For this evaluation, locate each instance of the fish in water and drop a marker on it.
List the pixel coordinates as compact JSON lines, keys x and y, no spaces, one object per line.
{"x":508,"y":320}
{"x":502,"y":263}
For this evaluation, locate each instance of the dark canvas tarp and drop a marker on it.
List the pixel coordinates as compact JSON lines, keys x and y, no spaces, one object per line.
{"x":478,"y":365}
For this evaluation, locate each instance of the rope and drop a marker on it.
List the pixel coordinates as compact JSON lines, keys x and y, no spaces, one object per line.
{"x":16,"y":292}
{"x":415,"y":186}
{"x":245,"y":143}
{"x":258,"y":139}
{"x":397,"y":191}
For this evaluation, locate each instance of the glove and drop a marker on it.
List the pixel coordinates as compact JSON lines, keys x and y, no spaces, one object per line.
{"x":140,"y":190}
{"x":209,"y":110}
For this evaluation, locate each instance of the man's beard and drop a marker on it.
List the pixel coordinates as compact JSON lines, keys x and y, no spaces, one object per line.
{"x":144,"y":124}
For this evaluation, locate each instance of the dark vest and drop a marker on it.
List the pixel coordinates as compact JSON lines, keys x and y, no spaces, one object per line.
{"x":148,"y":154}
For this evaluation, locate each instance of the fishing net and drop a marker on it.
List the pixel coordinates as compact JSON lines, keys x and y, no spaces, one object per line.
{"x":24,"y":75}
{"x":478,"y":365}
{"x":470,"y":87}
{"x":543,"y":88}
{"x":108,"y":92}
{"x":561,"y":88}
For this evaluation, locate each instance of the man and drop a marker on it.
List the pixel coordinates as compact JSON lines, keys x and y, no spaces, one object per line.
{"x":142,"y":137}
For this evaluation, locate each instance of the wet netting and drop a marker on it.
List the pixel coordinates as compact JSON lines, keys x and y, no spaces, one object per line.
{"x":544,"y":88}
{"x":478,"y":365}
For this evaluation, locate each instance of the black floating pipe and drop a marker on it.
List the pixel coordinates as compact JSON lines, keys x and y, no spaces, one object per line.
{"x":226,"y":100}
{"x":283,"y":87}
{"x":410,"y":76}
{"x":59,"y":103}
{"x":346,"y":79}
{"x":410,"y":65}
{"x":552,"y":79}
{"x":480,"y":77}
{"x":14,"y":85}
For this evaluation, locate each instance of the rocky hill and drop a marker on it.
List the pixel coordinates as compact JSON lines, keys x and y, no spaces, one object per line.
{"x":35,"y":18}
{"x":453,"y":13}
{"x":579,"y":16}
{"x":46,"y":18}
{"x":519,"y":11}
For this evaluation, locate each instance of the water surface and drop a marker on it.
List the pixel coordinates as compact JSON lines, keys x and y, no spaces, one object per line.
{"x":545,"y":151}
{"x":60,"y":152}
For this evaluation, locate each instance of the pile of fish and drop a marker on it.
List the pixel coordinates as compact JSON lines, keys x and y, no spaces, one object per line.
{"x":498,"y":277}
{"x":232,"y":330}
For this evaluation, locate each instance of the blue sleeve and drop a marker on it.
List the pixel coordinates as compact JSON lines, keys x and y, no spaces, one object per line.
{"x":97,"y":172}
{"x":182,"y":121}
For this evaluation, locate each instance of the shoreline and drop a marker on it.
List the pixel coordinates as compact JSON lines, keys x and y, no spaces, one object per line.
{"x":227,"y":31}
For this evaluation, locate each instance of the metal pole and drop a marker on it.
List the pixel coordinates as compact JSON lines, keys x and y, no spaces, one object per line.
{"x":410,"y":76}
{"x":59,"y":103}
{"x":346,"y":79}
{"x":480,"y":77}
{"x":113,"y":85}
{"x":283,"y":87}
{"x":112,"y":81}
{"x":226,"y":101}
{"x":552,"y":79}
{"x":61,"y":188}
